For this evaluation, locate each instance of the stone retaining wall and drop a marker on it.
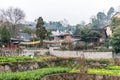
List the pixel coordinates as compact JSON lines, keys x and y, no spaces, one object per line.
{"x":77,"y":76}
{"x":20,"y":66}
{"x":64,"y":62}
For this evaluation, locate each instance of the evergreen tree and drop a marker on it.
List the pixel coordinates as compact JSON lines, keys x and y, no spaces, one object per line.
{"x":5,"y":35}
{"x":41,"y":32}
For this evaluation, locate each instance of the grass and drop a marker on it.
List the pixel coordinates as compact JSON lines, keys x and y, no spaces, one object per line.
{"x":33,"y":74}
{"x":109,"y":70}
{"x":104,"y":72}
{"x":14,"y":59}
{"x":24,"y":58}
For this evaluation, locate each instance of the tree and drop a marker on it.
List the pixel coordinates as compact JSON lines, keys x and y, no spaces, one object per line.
{"x":79,"y":27}
{"x":110,"y":13}
{"x":94,"y":33}
{"x":101,"y":16}
{"x":115,"y":23}
{"x":41,"y":32}
{"x":102,"y":19}
{"x":48,"y":34}
{"x":27,"y":30}
{"x":115,"y":40}
{"x":86,"y":34}
{"x":95,"y":22}
{"x":12,"y":16}
{"x":5,"y":35}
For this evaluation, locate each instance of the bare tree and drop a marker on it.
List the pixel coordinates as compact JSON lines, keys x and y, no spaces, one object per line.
{"x":12,"y":16}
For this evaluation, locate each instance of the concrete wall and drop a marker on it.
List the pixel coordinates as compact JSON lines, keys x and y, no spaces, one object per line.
{"x":92,"y":55}
{"x":35,"y":52}
{"x":73,"y":54}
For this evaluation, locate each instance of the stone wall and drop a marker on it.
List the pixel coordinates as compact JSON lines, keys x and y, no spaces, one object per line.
{"x":77,"y":76}
{"x":21,"y":66}
{"x":63,"y":62}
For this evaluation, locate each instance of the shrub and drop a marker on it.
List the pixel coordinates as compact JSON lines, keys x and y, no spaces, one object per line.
{"x":63,"y":48}
{"x":112,"y":67}
{"x":102,"y":49}
{"x":32,"y":75}
{"x":14,"y":59}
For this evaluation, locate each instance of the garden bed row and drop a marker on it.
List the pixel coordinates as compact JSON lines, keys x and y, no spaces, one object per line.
{"x":33,"y":74}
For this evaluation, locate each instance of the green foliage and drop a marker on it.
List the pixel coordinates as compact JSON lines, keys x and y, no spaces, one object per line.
{"x":115,"y":23}
{"x":110,"y":13}
{"x":32,"y":75}
{"x":34,"y":39}
{"x":41,"y":32}
{"x":104,"y":71}
{"x":27,"y":30}
{"x":63,"y":48}
{"x":102,"y":49}
{"x":94,"y":33}
{"x":15,"y":59}
{"x":101,"y":16}
{"x":48,"y":34}
{"x":107,"y":43}
{"x":115,"y":40}
{"x":79,"y":27}
{"x":88,"y":35}
{"x":101,"y":61}
{"x":25,"y":58}
{"x":84,"y":34}
{"x":5,"y":35}
{"x":110,"y":70}
{"x":101,"y":19}
{"x":12,"y":17}
{"x":95,"y":23}
{"x":112,"y":67}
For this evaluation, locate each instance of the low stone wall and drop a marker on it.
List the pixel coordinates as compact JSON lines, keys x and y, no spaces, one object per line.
{"x":91,"y":55}
{"x":77,"y":76}
{"x":21,"y":66}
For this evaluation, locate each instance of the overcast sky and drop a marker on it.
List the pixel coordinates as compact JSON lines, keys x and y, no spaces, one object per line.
{"x":55,"y":10}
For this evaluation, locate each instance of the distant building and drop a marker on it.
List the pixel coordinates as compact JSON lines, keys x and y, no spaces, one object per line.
{"x":108,"y":30}
{"x":117,"y":14}
{"x":61,"y":36}
{"x":13,"y":44}
{"x":31,"y":25}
